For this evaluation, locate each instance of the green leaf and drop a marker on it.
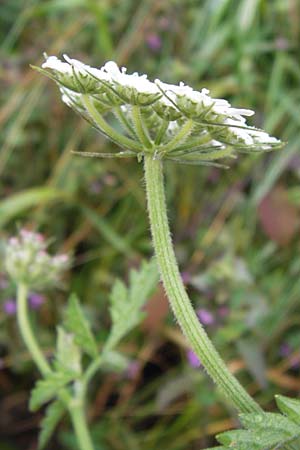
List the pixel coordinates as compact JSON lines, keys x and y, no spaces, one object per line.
{"x":246,"y":440}
{"x":289,"y":406}
{"x":264,"y":431}
{"x":47,"y":389}
{"x":270,"y":421}
{"x":217,"y":448}
{"x":77,"y":324}
{"x":115,"y":361}
{"x":126,"y":303}
{"x":67,"y":356}
{"x":53,"y":414}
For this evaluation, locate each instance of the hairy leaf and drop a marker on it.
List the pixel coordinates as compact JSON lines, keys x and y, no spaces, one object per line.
{"x":53,"y":414}
{"x":246,"y":440}
{"x":217,"y":448}
{"x":47,"y":389}
{"x":126,"y":303}
{"x":272,"y":421}
{"x":266,"y":431}
{"x":290,"y":407}
{"x":77,"y":324}
{"x":67,"y":356}
{"x":114,"y":361}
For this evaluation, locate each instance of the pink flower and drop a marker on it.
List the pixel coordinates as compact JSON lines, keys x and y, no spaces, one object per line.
{"x":154,"y":42}
{"x":223,"y":311}
{"x":186,"y":278}
{"x":132,"y":369}
{"x":193,"y":359}
{"x":35,"y":300}
{"x":205,"y":316}
{"x":10,"y":307}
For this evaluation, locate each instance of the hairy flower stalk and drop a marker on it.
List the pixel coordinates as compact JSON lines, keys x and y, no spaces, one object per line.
{"x":164,"y":122}
{"x":180,"y":303}
{"x":30,"y":266}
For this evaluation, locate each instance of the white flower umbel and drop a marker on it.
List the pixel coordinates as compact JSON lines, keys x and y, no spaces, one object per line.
{"x":27,"y":261}
{"x":172,"y":122}
{"x":135,"y":89}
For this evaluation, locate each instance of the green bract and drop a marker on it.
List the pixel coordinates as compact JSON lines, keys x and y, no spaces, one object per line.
{"x":172,"y":122}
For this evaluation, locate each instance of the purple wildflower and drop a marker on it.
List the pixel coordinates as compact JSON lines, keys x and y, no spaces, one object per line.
{"x":282,"y":44}
{"x":35,"y":300}
{"x":193,"y":359}
{"x":223,"y":311}
{"x":95,"y":187}
{"x":205,"y":316}
{"x":186,"y":278}
{"x":213,"y":175}
{"x":109,"y":179}
{"x":295,"y":362}
{"x":294,"y":162}
{"x":132,"y":370}
{"x":10,"y":307}
{"x":154,"y":42}
{"x":285,"y":350}
{"x":164,"y":23}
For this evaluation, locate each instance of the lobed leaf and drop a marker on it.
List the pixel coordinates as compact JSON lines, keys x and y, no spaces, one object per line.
{"x":53,"y":414}
{"x":266,"y":431}
{"x":248,"y":440}
{"x":126,"y":303}
{"x":47,"y":389}
{"x":270,"y":421}
{"x":68,"y":355}
{"x":290,"y":407}
{"x":76,"y":323}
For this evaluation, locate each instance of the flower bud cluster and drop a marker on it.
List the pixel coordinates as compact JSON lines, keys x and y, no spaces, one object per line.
{"x":211,"y":126}
{"x":27,"y":261}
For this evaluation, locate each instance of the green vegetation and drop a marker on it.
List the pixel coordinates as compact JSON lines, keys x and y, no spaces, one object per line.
{"x":236,"y":232}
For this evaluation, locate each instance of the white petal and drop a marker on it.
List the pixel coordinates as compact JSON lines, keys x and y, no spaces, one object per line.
{"x":52,"y":62}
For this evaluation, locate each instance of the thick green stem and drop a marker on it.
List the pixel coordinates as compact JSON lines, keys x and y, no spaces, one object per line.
{"x":178,"y":297}
{"x":26,"y":331}
{"x":90,"y":372}
{"x":80,"y":426}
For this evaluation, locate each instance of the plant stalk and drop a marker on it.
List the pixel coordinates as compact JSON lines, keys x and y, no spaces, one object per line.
{"x":80,"y":426}
{"x":26,"y":331}
{"x":179,"y":300}
{"x":76,"y":411}
{"x":106,"y":128}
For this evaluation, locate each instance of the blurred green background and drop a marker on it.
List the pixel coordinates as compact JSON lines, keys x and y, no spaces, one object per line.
{"x":236,"y":232}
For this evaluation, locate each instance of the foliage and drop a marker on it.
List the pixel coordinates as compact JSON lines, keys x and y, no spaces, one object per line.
{"x":53,"y":414}
{"x":266,"y":431}
{"x":236,"y":234}
{"x":67,"y":377}
{"x":76,"y":323}
{"x":126,"y":303}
